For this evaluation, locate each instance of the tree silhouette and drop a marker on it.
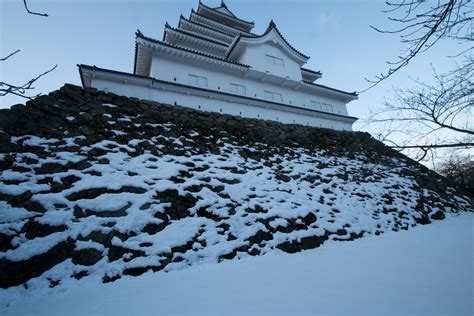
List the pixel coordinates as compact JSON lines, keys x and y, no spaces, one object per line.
{"x":432,"y":115}
{"x":21,"y":90}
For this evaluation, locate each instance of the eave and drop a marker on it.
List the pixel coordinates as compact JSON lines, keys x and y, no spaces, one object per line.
{"x":185,"y":24}
{"x":146,"y":47}
{"x":346,"y":96}
{"x":310,"y":75}
{"x":194,"y":17}
{"x":88,"y":72}
{"x":189,"y":40}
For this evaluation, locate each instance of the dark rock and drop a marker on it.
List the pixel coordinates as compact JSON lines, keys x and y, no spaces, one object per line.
{"x":92,"y":193}
{"x":229,"y":181}
{"x":228,"y":256}
{"x":79,"y":212}
{"x":423,"y":219}
{"x":203,"y":212}
{"x":259,"y":237}
{"x":183,"y":248}
{"x":283,"y":177}
{"x":309,"y":219}
{"x":294,"y":246}
{"x":289,"y":247}
{"x":22,"y":198}
{"x":69,"y":180}
{"x":5,"y":242}
{"x":256,"y":209}
{"x":179,"y":204}
{"x":98,"y":237}
{"x":112,"y":213}
{"x":438,"y":215}
{"x":153,"y":228}
{"x":311,"y":242}
{"x":117,"y":252}
{"x":86,"y":257}
{"x":81,"y":165}
{"x":33,"y":206}
{"x":79,"y":275}
{"x":108,"y":279}
{"x":17,"y":272}
{"x":33,"y":229}
{"x":341,"y":232}
{"x":140,"y":270}
{"x":51,"y":167}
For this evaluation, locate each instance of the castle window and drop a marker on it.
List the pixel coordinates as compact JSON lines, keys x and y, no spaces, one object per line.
{"x":328,"y":107}
{"x":275,"y":60}
{"x":197,"y":81}
{"x":237,"y":89}
{"x":317,"y":105}
{"x":273,"y":96}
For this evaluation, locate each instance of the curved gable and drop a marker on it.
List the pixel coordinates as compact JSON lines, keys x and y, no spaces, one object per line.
{"x":272,"y":36}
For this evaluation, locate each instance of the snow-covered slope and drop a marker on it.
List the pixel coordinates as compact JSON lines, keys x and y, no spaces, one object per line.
{"x":427,"y":270}
{"x":97,"y":185}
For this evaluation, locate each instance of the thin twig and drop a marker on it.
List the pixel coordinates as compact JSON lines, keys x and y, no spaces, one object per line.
{"x":5,"y":58}
{"x":31,"y":12}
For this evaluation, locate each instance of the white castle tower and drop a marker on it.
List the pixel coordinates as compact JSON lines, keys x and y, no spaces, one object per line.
{"x":213,"y":62}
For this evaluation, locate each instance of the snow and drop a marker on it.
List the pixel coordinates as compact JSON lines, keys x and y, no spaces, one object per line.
{"x":234,"y":191}
{"x":427,"y":270}
{"x":34,"y":247}
{"x":10,"y":214}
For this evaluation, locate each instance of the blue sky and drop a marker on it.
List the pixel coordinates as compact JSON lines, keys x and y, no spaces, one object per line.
{"x":335,"y":33}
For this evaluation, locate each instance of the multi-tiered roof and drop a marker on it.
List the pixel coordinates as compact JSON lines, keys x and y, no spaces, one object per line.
{"x":214,"y":33}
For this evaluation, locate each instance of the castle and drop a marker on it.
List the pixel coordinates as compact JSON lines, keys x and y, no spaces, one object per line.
{"x":213,"y":62}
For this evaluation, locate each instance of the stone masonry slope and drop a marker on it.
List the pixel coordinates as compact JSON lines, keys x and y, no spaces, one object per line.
{"x":98,"y":185}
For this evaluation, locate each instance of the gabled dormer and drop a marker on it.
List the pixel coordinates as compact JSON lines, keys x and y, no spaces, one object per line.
{"x":269,"y":52}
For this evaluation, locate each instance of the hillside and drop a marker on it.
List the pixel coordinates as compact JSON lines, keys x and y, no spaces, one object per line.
{"x":95,"y":184}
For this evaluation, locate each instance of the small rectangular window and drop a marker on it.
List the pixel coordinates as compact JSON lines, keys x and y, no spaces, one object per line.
{"x":275,"y":60}
{"x":197,"y":81}
{"x":327,"y":107}
{"x":237,"y":89}
{"x":316,"y":105}
{"x":273,"y":96}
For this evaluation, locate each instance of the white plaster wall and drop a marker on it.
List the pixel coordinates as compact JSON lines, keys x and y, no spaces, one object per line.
{"x":255,"y":56}
{"x":173,"y":70}
{"x":217,"y":104}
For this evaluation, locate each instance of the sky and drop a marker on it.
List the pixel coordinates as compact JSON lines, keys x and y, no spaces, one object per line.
{"x":336,"y":34}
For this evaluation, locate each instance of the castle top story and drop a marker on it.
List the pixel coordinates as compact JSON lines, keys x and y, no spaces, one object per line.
{"x":212,"y":61}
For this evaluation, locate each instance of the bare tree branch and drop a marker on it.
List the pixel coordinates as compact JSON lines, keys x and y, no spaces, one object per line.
{"x":6,"y":88}
{"x":32,"y":12}
{"x":5,"y":58}
{"x":423,"y":24}
{"x":21,"y":90}
{"x":433,"y":146}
